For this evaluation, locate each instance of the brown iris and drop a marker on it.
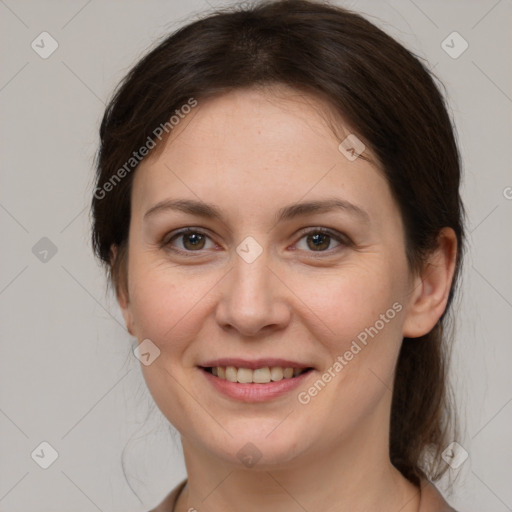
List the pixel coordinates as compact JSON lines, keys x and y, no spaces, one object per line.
{"x":322,"y":238}
{"x":196,"y":240}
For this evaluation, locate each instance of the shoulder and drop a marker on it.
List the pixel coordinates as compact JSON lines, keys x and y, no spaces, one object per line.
{"x":432,"y":500}
{"x":167,"y":505}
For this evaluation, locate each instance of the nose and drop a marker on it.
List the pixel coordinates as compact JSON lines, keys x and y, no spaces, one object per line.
{"x":253,"y":299}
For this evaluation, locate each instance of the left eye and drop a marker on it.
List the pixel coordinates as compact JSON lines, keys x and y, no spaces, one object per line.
{"x":318,"y":240}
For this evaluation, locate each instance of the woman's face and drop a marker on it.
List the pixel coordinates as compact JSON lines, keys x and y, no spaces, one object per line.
{"x":255,"y":284}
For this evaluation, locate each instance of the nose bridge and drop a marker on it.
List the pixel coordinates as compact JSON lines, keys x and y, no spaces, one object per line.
{"x":252,"y":281}
{"x":251,"y":297}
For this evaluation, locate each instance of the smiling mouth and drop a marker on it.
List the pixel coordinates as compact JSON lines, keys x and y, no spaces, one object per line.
{"x":263,"y":375}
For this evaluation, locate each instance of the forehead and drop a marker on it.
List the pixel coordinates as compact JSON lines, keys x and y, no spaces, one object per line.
{"x":275,"y":116}
{"x":248,"y":145}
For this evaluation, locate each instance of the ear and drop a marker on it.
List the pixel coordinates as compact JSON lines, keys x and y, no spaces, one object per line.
{"x":122,"y":293}
{"x":430,"y":290}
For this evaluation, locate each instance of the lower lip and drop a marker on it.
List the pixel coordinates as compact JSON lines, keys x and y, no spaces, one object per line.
{"x":255,"y":392}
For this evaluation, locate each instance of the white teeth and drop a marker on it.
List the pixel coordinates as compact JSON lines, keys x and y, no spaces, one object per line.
{"x":231,"y":373}
{"x":276,"y":373}
{"x":244,"y":375}
{"x":259,"y":375}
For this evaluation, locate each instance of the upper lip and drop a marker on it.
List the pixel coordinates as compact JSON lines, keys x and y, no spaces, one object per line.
{"x":254,"y":363}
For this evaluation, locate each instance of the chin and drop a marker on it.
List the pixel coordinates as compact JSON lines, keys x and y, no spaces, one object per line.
{"x":261,"y":446}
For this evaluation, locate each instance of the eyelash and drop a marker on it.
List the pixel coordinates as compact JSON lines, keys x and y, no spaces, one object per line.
{"x":342,"y":239}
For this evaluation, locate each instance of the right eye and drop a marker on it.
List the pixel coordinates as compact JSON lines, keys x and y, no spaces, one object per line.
{"x":193,"y":240}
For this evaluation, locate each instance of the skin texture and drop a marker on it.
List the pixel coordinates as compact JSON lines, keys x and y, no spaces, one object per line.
{"x":251,"y":152}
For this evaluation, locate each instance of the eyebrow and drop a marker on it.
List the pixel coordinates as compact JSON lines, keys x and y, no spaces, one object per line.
{"x":210,"y":211}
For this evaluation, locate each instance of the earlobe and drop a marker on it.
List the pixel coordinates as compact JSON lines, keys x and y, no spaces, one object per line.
{"x":431,"y":289}
{"x":127,"y":319}
{"x":124,"y":304}
{"x":122,"y":295}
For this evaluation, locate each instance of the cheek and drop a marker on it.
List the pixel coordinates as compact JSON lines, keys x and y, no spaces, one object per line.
{"x":346,"y":303}
{"x":168,"y":309}
{"x":358,"y":317}
{"x":360,"y":330}
{"x":165,"y":304}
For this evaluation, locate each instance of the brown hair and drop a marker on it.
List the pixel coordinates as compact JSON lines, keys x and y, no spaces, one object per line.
{"x":387,"y":97}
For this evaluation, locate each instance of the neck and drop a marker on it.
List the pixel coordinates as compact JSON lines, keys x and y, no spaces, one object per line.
{"x":355,"y":476}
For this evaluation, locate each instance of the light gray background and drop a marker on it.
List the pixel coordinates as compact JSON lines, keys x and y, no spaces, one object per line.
{"x":68,"y":376}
